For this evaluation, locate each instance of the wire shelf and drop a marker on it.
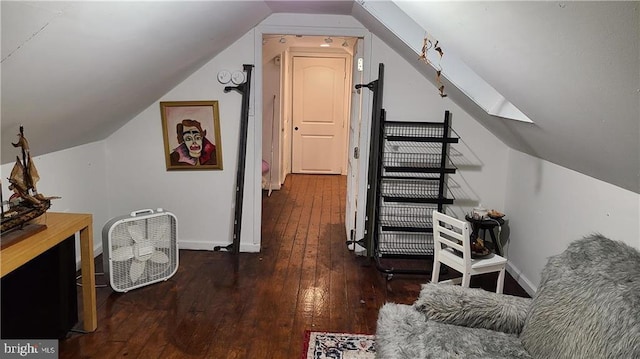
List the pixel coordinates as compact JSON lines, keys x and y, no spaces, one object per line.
{"x":392,"y":243}
{"x":412,"y":147}
{"x":415,"y":162}
{"x":409,"y":188}
{"x":416,"y":216}
{"x":418,"y":175}
{"x":418,"y":129}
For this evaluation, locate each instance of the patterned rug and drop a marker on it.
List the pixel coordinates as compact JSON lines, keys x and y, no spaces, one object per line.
{"x":324,"y":345}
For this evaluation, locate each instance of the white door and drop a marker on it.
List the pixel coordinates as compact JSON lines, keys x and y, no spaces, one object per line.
{"x":319,"y":115}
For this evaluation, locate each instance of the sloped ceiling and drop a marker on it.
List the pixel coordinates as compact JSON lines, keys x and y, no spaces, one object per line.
{"x":571,"y":67}
{"x":74,"y":72}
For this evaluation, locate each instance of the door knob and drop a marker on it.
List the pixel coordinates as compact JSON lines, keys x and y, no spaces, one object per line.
{"x":295,"y":128}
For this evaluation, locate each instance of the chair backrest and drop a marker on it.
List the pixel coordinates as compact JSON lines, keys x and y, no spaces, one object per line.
{"x":452,"y":235}
{"x":587,"y":304}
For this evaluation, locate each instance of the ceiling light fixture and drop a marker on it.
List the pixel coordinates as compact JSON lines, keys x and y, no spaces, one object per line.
{"x":327,"y":42}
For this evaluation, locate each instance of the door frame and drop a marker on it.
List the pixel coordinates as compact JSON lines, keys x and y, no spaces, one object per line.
{"x":353,"y":163}
{"x":254,"y":164}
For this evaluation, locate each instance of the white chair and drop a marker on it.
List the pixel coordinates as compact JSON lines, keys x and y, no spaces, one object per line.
{"x":452,"y":247}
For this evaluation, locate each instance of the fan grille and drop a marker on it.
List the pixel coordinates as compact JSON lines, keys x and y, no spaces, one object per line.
{"x":142,"y":251}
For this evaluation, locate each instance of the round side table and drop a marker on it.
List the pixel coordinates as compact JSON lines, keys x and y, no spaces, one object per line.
{"x":486,"y":224}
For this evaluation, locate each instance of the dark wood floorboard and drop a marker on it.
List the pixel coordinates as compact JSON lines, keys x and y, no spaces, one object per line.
{"x":258,"y":305}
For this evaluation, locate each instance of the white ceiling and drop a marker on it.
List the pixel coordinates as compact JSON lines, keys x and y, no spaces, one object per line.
{"x":74,"y":72}
{"x":274,"y":45}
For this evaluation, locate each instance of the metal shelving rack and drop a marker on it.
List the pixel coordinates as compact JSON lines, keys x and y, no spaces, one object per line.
{"x":407,"y":179}
{"x":411,"y":183}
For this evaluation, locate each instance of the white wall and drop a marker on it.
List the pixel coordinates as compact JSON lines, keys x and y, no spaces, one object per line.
{"x":586,"y":54}
{"x":480,"y":157}
{"x":203,"y":201}
{"x":549,"y":206}
{"x":78,"y":175}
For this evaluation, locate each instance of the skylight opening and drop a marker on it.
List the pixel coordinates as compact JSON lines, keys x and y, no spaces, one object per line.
{"x":449,"y":65}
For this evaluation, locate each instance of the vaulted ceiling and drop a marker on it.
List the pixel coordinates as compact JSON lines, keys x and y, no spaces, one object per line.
{"x":75,"y":72}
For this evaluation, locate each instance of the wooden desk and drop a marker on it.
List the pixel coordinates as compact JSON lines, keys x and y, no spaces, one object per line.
{"x":60,"y":226}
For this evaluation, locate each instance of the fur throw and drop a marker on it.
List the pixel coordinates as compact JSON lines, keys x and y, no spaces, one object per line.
{"x":404,"y":333}
{"x":587,"y":304}
{"x":474,"y":308}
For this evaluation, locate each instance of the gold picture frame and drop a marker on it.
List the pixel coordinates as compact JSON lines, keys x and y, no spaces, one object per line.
{"x":191,"y":131}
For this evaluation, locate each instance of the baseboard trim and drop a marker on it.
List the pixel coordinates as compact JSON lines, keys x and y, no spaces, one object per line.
{"x":208,"y":246}
{"x":189,"y":245}
{"x":522,"y":280}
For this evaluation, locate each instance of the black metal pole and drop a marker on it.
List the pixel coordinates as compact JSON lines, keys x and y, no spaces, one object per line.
{"x":443,"y":160}
{"x":245,"y":90}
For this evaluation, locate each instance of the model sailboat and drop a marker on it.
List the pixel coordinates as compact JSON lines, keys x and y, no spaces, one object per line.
{"x":25,"y":204}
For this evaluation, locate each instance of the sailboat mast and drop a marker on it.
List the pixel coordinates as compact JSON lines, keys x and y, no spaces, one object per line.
{"x":1,"y":199}
{"x":26,"y":170}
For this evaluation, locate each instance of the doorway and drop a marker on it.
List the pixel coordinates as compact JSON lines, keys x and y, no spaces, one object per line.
{"x":307,"y":105}
{"x":279,"y":52}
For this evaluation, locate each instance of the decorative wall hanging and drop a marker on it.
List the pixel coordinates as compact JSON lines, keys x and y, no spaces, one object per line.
{"x":191,"y":132}
{"x":426,"y":46}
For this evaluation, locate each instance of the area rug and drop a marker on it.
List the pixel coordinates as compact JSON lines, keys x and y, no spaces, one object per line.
{"x":325,"y":345}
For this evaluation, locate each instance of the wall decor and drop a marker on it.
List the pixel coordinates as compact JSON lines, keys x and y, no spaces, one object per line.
{"x":191,"y":132}
{"x":427,"y":44}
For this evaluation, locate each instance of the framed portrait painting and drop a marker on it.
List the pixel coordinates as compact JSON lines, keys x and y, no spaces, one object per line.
{"x":191,"y":132}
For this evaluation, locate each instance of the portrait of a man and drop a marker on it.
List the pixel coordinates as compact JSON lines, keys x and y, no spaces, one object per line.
{"x":191,"y":135}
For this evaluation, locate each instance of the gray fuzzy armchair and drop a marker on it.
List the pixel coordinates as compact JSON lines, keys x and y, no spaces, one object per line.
{"x":587,"y":306}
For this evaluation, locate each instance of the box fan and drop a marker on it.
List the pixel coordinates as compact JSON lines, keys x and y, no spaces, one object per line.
{"x":140,"y":249}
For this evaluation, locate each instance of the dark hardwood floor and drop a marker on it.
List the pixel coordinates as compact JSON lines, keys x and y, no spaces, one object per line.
{"x":257,"y":305}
